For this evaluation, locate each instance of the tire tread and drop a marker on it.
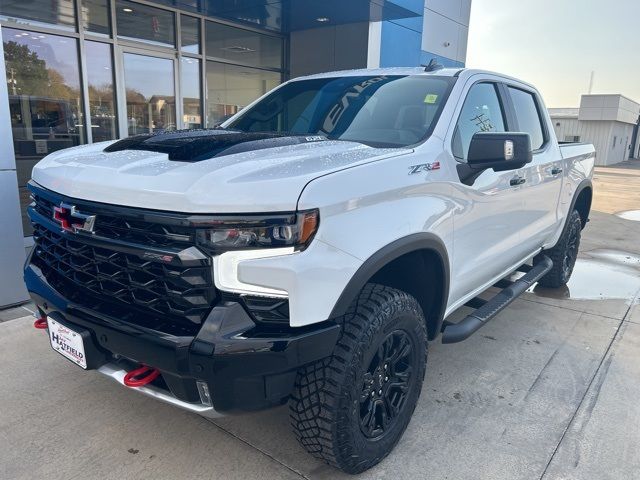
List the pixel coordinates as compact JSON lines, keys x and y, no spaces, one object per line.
{"x":554,"y":278}
{"x":317,"y":410}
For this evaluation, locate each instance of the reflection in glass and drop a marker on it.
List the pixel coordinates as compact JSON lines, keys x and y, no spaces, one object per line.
{"x":383,"y":111}
{"x":135,"y":21}
{"x":190,"y":34}
{"x":151,"y":102}
{"x":95,"y":16}
{"x":230,"y":88}
{"x":242,"y":46}
{"x":45,"y":103}
{"x":264,"y":13}
{"x":101,"y":91}
{"x":60,"y":13}
{"x":190,"y":84}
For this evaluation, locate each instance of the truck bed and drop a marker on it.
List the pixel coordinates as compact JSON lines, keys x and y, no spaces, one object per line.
{"x":572,"y":150}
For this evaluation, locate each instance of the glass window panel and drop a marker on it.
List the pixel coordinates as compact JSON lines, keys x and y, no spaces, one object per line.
{"x":60,"y":13}
{"x":264,"y":13}
{"x":528,"y":117}
{"x":190,"y":84}
{"x":151,"y":103}
{"x":45,"y":103}
{"x":242,"y":46}
{"x":393,"y":110}
{"x":101,"y":92}
{"x":140,"y":22}
{"x":190,"y":34}
{"x":95,"y":16}
{"x":481,"y":112}
{"x":230,"y":88}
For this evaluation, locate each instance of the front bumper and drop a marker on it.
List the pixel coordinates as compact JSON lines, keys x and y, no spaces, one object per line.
{"x":117,"y":373}
{"x":244,"y":368}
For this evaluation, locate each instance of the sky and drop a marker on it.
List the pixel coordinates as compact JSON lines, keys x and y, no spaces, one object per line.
{"x":556,"y":44}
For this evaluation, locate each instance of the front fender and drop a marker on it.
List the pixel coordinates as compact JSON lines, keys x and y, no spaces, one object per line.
{"x":386,"y":255}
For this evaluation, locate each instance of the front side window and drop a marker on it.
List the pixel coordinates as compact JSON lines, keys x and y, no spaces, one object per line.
{"x":390,"y":111}
{"x":481,"y":112}
{"x":526,"y":110}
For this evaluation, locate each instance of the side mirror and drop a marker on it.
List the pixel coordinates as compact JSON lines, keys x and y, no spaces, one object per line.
{"x":499,"y":151}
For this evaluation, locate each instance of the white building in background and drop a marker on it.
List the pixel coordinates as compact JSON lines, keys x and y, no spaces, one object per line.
{"x":610,"y":122}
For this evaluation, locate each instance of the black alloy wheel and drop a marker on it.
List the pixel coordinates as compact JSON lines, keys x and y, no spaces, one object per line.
{"x":571,"y":253}
{"x":564,"y":254}
{"x":352,"y":408}
{"x":386,"y":384}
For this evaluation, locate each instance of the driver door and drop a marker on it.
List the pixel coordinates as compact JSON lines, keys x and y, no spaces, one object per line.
{"x":488,"y":218}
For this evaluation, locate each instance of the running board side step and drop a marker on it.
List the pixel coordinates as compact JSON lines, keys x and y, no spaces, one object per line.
{"x":487,"y":309}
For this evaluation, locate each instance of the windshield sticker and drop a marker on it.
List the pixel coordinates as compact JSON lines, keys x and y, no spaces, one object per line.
{"x":431,"y":98}
{"x":334,"y":116}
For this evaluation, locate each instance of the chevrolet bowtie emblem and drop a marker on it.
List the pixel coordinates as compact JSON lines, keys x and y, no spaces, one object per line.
{"x":73,"y":221}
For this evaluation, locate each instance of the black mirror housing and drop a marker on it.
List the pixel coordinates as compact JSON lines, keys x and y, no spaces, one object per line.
{"x":500,"y":151}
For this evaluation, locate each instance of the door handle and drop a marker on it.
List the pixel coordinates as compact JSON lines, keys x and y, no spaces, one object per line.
{"x":515,"y":181}
{"x":556,"y":171}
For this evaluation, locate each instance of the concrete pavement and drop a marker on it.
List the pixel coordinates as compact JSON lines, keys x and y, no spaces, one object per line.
{"x":549,"y":389}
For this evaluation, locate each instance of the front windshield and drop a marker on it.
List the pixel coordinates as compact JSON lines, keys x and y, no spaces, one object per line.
{"x":390,"y":111}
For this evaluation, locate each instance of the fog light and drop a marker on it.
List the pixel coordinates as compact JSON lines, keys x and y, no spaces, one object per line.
{"x":203,"y":390}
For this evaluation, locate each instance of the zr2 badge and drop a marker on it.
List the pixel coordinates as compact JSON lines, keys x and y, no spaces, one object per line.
{"x":424,"y":167}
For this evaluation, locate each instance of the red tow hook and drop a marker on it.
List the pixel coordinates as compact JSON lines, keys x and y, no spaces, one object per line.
{"x":41,"y":323}
{"x":141,"y":376}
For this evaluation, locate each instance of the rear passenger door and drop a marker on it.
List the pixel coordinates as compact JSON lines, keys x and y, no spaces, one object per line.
{"x":543,"y":176}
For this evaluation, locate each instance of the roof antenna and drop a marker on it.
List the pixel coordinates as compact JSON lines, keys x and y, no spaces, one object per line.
{"x":433,"y":66}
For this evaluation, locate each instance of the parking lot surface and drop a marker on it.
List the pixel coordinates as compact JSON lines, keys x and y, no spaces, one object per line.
{"x":548,"y":389}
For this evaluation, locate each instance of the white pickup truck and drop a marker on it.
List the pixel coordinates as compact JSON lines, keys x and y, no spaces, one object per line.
{"x":308,"y":249}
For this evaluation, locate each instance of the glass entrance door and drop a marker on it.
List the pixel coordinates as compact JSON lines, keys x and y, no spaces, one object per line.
{"x":149,"y":87}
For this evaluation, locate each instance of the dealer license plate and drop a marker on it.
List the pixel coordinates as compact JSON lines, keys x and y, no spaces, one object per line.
{"x":67,"y":342}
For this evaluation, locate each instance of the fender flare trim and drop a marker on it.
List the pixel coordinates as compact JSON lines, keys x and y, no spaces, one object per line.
{"x":387,"y":254}
{"x":583,"y":185}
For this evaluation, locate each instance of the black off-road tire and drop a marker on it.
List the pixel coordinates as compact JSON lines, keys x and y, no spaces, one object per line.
{"x":564,"y":254}
{"x":332,"y":398}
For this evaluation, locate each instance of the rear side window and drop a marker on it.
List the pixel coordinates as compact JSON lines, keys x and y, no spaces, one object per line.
{"x":528,"y":116}
{"x":481,"y":112}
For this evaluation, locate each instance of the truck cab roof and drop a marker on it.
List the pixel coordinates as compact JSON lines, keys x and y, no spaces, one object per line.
{"x":218,"y":170}
{"x":443,"y":72}
{"x":413,"y":71}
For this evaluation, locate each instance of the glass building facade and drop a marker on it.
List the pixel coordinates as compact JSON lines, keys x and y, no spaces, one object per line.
{"x":92,"y":70}
{"x":86,"y":71}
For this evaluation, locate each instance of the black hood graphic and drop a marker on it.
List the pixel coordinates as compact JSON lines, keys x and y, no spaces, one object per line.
{"x":198,"y":145}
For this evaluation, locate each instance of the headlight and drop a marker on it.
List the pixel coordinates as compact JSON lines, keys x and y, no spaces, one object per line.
{"x":253,"y":232}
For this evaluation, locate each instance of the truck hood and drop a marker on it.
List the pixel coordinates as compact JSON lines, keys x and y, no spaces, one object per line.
{"x":254,"y":180}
